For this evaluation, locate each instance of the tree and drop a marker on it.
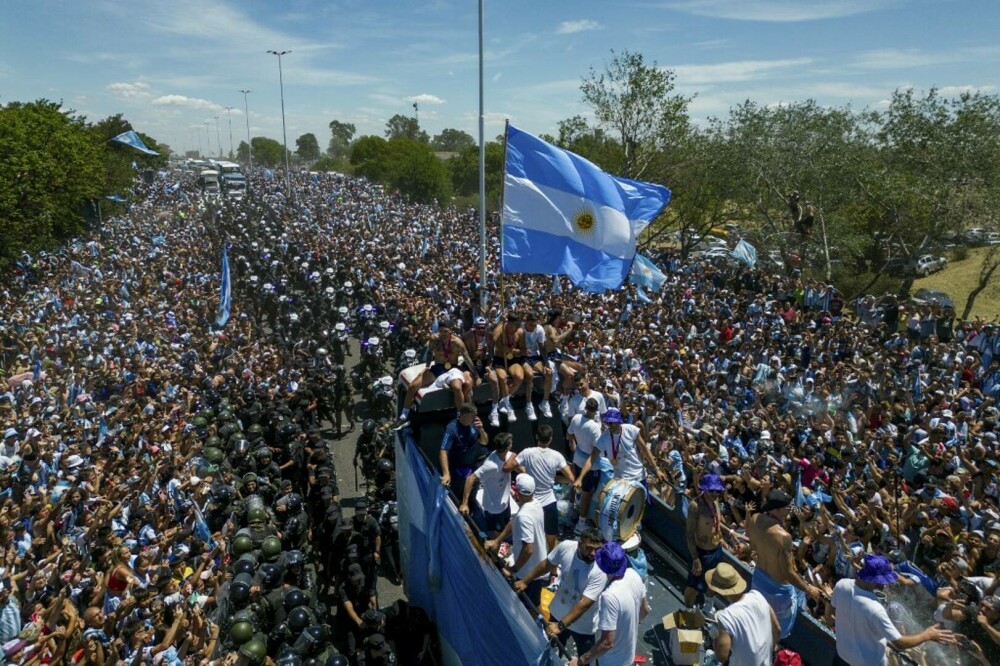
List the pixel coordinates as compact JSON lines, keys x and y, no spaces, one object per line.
{"x":464,"y":170}
{"x":340,"y":140}
{"x":635,"y":101}
{"x":404,"y":165}
{"x":307,"y":147}
{"x":452,"y":141}
{"x":404,"y":127}
{"x":118,"y":158}
{"x":989,"y":265}
{"x":51,"y":165}
{"x":267,"y":152}
{"x":243,"y":152}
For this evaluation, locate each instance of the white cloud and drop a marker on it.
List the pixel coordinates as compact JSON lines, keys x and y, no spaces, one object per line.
{"x":187,"y":102}
{"x":777,"y":11}
{"x":138,"y":90}
{"x":732,"y":72}
{"x":573,"y":27}
{"x":956,"y":91}
{"x":425,"y":98}
{"x":904,"y":59}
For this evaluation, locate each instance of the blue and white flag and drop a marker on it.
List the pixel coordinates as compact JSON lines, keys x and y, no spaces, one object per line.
{"x":170,"y":189}
{"x":746,"y":253}
{"x":424,"y":247}
{"x":130,"y":138}
{"x":200,"y":528}
{"x":641,"y":295}
{"x":556,"y":285}
{"x":564,"y":216}
{"x":36,"y":372}
{"x":117,"y":198}
{"x":646,"y":274}
{"x":225,"y":292}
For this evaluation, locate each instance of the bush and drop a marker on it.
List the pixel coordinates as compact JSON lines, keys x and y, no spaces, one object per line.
{"x":336,"y":164}
{"x":960,"y":253}
{"x":852,"y":284}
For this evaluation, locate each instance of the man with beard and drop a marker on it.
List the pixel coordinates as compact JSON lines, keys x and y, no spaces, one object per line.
{"x":573,"y":609}
{"x":509,"y":356}
{"x":479,"y":342}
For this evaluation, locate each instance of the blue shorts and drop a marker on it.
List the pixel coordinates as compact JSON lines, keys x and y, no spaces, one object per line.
{"x":590,"y":481}
{"x":709,"y":560}
{"x":551,"y":514}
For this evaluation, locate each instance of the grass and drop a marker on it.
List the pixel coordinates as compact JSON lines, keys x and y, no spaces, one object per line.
{"x":959,"y":278}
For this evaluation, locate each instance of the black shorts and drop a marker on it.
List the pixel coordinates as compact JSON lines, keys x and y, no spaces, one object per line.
{"x":551,"y":513}
{"x":437,"y":370}
{"x":555,"y":355}
{"x":532,"y":360}
{"x":501,"y":362}
{"x":590,"y":481}
{"x":495,"y":522}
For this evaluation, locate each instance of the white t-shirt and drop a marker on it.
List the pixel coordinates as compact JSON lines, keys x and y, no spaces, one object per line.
{"x":534,"y":340}
{"x":542,"y":464}
{"x":586,"y":432}
{"x":620,"y":605}
{"x":863,"y":626}
{"x":576,"y":579}
{"x":529,"y":527}
{"x":622,"y":453}
{"x":495,"y":483}
{"x":748,"y":623}
{"x":578,"y":403}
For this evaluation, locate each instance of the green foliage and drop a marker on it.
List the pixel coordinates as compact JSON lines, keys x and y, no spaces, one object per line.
{"x":307,"y":147}
{"x":341,"y":135}
{"x":404,"y":165}
{"x":452,"y":141}
{"x":243,"y":152}
{"x":51,"y":165}
{"x":464,"y":171}
{"x":337,"y":164}
{"x":635,"y":101}
{"x":267,"y":152}
{"x":404,"y":127}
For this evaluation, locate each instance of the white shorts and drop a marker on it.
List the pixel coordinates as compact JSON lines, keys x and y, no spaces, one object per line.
{"x":445,"y":379}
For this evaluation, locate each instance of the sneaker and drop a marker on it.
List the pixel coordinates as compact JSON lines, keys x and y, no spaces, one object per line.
{"x":495,"y":417}
{"x":529,"y":409}
{"x":511,"y":417}
{"x":401,"y":423}
{"x":546,"y":409}
{"x":502,"y":406}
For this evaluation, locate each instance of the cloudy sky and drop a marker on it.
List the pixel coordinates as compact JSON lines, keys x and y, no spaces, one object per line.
{"x":172,"y":65}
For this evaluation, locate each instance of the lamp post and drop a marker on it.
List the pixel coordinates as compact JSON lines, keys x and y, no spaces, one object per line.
{"x":246,"y":112}
{"x":208,"y":137}
{"x":218,"y":137}
{"x":197,"y":130}
{"x":229,"y":113}
{"x":284,"y":134}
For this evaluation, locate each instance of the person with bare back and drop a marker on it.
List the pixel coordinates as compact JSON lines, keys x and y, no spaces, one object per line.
{"x":776,"y":576}
{"x":443,"y":349}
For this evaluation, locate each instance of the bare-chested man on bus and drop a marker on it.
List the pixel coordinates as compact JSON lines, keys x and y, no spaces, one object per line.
{"x":443,"y":350}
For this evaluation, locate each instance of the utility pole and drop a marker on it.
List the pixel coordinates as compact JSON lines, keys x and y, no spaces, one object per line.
{"x":284,"y":133}
{"x":229,"y":113}
{"x":218,"y":138}
{"x":416,"y":114}
{"x":246,"y":112}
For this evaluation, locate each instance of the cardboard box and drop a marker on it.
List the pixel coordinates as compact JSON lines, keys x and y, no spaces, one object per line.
{"x":687,"y":643}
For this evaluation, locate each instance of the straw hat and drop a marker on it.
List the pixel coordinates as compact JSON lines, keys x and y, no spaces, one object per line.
{"x":725,"y":580}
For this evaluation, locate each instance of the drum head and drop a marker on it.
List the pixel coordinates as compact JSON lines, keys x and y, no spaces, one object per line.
{"x":622,"y":504}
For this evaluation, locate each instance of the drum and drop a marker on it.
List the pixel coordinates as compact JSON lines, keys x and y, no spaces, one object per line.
{"x":617,"y":508}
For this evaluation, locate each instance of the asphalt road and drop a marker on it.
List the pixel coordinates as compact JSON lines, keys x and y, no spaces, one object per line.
{"x":343,"y":455}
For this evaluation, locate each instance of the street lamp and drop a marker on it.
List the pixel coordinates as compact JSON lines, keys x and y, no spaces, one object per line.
{"x":229,"y":113}
{"x":208,"y":137}
{"x":218,"y":139}
{"x":284,"y":134}
{"x":246,"y":112}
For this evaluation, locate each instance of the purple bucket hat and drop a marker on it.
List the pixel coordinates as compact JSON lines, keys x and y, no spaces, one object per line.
{"x":877,"y":571}
{"x":611,"y":559}
{"x":612,"y":416}
{"x":711,"y":482}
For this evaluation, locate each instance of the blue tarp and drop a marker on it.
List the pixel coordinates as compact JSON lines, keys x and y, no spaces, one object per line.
{"x":477,"y":613}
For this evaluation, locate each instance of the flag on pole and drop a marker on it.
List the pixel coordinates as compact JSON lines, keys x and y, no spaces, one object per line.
{"x":564,"y":216}
{"x":646,"y":274}
{"x":130,"y":138}
{"x":200,"y":527}
{"x":746,"y":253}
{"x":225,"y":293}
{"x":641,"y":295}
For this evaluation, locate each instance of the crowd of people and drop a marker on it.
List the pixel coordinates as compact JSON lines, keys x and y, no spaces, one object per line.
{"x":170,"y":494}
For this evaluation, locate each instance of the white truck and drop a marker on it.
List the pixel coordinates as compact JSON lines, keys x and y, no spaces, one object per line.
{"x":208,"y":180}
{"x":233,"y":182}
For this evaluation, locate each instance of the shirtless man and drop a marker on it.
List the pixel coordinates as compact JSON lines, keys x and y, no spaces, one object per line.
{"x":704,"y":540}
{"x":509,"y":355}
{"x":480,"y":344}
{"x":443,"y":349}
{"x":557,"y":332}
{"x":776,"y":576}
{"x":534,"y":341}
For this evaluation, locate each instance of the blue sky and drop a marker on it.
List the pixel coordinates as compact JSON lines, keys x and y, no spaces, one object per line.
{"x":171,"y":65}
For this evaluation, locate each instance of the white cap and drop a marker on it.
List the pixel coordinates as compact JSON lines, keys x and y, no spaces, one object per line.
{"x":525,"y":484}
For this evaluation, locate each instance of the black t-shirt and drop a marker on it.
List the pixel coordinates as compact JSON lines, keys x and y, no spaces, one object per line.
{"x":359,"y":598}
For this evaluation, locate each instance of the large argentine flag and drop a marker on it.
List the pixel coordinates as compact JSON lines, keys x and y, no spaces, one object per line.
{"x":130,"y":138}
{"x":564,"y":216}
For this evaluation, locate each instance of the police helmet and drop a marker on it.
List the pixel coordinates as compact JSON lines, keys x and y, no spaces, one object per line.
{"x":241,"y":632}
{"x":294,"y":598}
{"x":254,"y":650}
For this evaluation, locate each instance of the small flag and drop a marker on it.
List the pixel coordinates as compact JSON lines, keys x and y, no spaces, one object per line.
{"x":435,"y":325}
{"x":746,"y":253}
{"x":800,"y":498}
{"x":36,"y":372}
{"x":562,"y":215}
{"x":643,"y":298}
{"x":646,"y":274}
{"x":117,"y":198}
{"x":102,"y":431}
{"x":225,"y":294}
{"x":130,"y":138}
{"x":556,"y":285}
{"x":424,"y":247}
{"x":200,"y":527}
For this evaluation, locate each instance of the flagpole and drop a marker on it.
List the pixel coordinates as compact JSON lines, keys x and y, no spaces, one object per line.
{"x":482,"y":177}
{"x":503,"y":190}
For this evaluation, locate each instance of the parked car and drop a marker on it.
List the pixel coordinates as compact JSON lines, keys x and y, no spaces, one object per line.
{"x":932,"y":297}
{"x":992,"y":238}
{"x":928,"y":264}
